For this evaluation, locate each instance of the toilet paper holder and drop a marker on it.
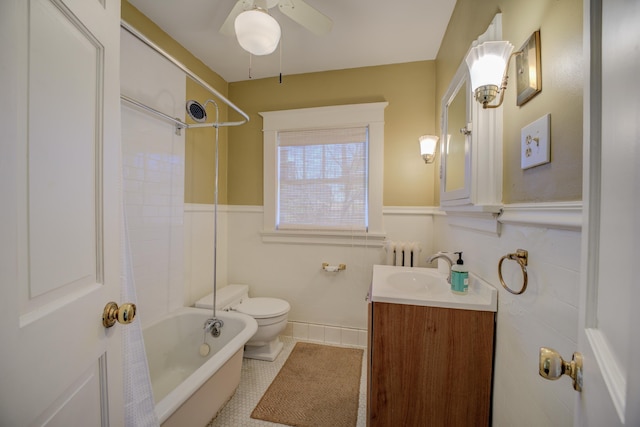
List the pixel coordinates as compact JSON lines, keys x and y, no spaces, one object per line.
{"x":333,"y":268}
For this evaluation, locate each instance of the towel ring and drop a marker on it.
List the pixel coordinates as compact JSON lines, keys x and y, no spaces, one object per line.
{"x":521,"y":256}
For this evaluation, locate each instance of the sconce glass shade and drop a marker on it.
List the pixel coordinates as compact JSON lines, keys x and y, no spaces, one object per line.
{"x":258,"y":32}
{"x":487,"y":64}
{"x":428,"y":145}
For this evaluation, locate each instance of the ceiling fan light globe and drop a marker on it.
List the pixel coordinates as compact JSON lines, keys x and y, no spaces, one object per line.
{"x":257,"y":32}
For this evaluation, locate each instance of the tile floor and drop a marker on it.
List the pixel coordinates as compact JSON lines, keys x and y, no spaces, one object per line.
{"x":256,"y":377}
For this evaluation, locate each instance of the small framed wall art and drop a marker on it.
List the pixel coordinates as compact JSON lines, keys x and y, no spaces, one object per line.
{"x":528,"y":70}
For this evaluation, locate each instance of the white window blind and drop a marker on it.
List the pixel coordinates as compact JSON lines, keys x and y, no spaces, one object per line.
{"x":322,"y":179}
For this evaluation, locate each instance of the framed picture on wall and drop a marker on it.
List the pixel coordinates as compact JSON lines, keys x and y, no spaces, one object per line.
{"x":529,"y":75}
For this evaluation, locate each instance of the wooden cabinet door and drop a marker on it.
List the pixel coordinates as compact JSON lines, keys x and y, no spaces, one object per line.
{"x":430,"y":366}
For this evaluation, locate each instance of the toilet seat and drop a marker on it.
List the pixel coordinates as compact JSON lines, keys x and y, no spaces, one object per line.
{"x":262,"y":308}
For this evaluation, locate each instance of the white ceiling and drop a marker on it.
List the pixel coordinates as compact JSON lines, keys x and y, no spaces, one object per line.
{"x":365,"y":33}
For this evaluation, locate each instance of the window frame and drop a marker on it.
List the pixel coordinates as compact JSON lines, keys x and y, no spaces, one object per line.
{"x":370,"y":115}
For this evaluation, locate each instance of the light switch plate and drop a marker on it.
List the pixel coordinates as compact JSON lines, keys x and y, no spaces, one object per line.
{"x":535,"y":141}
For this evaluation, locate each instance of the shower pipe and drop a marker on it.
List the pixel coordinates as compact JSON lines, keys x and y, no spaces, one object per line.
{"x":180,"y":124}
{"x":214,"y":324}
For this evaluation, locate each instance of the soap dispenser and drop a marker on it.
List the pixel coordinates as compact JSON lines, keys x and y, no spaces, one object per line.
{"x":459,"y":277}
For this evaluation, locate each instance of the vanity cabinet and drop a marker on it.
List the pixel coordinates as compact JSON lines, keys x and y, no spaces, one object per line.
{"x":429,"y":366}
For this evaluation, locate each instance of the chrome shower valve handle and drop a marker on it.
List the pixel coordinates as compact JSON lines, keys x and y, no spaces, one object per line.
{"x":214,"y":326}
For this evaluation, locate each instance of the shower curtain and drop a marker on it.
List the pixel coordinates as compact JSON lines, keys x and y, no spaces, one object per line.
{"x":139,"y":406}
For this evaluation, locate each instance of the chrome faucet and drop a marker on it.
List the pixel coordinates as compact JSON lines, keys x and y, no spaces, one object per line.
{"x":213,"y":326}
{"x":444,"y":257}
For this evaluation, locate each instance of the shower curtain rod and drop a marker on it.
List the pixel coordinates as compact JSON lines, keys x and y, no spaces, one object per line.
{"x":180,"y":124}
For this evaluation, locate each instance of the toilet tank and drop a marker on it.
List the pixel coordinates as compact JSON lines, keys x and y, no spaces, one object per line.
{"x":226,"y":297}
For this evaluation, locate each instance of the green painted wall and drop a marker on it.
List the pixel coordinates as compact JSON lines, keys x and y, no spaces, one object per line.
{"x":413,"y":91}
{"x":410,"y":90}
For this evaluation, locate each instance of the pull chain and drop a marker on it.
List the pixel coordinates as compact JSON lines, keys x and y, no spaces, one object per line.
{"x":280,"y":60}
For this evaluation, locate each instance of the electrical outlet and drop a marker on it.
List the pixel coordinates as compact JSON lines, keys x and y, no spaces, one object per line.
{"x":535,"y":141}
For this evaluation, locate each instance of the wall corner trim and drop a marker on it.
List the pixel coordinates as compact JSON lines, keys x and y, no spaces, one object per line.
{"x":561,"y":215}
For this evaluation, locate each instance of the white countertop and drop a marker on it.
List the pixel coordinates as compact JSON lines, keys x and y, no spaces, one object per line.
{"x":427,"y":287}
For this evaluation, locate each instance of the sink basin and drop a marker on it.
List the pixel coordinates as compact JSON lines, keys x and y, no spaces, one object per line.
{"x":428,"y":287}
{"x":413,"y":281}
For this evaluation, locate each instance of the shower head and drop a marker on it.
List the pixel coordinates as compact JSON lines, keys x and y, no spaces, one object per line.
{"x":196,"y":111}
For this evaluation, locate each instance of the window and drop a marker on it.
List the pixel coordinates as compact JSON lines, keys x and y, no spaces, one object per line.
{"x":322,"y":179}
{"x":323,"y":174}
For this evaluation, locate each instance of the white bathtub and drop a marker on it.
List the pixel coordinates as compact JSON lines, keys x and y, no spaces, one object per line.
{"x":190,"y":389}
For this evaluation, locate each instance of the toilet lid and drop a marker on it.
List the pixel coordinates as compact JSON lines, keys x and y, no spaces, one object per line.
{"x":260,"y":308}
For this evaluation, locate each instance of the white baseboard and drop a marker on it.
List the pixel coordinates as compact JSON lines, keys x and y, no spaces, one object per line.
{"x":326,"y":334}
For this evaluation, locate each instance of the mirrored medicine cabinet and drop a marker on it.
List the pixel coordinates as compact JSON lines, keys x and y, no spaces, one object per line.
{"x":471,"y":146}
{"x":455,"y":142}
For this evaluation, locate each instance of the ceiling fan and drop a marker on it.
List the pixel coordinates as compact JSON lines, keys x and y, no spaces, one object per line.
{"x":298,"y":10}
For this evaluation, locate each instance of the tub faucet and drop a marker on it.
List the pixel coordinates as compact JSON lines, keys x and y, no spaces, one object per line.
{"x":213,"y":326}
{"x":444,"y":257}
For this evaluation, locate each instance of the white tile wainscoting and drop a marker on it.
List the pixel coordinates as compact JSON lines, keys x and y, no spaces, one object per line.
{"x":293,"y":271}
{"x":331,"y":307}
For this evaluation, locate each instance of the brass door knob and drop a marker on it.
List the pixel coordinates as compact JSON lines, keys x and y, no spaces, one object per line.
{"x":553,"y":366}
{"x":123,"y":314}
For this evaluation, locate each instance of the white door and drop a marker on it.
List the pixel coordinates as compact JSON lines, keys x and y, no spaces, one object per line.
{"x":610,"y":290}
{"x":59,"y":212}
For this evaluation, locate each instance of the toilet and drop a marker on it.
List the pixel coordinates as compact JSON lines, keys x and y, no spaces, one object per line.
{"x":270,"y":313}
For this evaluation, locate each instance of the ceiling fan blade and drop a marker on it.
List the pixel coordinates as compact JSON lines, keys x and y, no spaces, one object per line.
{"x":305,"y":15}
{"x":228,"y":28}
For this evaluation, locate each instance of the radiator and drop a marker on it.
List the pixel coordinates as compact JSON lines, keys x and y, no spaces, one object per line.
{"x":405,"y":254}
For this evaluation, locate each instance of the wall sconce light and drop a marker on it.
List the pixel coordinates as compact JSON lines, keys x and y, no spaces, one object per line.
{"x":258,"y":32}
{"x":488,"y":66}
{"x":428,"y":145}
